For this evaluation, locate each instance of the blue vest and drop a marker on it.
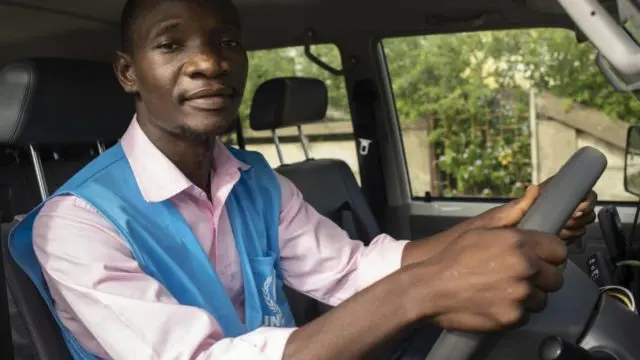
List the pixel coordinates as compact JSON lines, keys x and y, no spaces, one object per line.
{"x":163,"y":244}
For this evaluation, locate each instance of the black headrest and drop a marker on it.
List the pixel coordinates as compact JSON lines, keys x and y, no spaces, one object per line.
{"x":288,"y":101}
{"x":57,"y":101}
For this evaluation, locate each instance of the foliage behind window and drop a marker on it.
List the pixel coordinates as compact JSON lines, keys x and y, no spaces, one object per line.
{"x":472,"y":89}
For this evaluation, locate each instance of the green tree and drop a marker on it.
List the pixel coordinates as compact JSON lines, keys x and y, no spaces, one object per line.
{"x":478,"y":108}
{"x":474,"y":88}
{"x":567,"y":69}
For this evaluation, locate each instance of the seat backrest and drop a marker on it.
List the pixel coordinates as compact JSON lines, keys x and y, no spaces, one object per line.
{"x":331,"y":188}
{"x":326,"y":184}
{"x":19,"y":191}
{"x":57,"y":109}
{"x":35,"y":332}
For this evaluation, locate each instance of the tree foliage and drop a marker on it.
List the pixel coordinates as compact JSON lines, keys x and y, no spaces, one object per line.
{"x":474,"y":90}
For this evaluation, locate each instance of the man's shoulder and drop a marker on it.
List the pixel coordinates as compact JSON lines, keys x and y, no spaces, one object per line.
{"x":64,"y":219}
{"x":67,"y":210}
{"x":63,"y":204}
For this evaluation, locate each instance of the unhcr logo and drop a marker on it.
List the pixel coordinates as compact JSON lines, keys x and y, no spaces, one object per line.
{"x":269,"y":294}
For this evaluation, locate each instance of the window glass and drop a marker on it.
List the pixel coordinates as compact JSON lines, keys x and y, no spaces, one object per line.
{"x":485,"y":114}
{"x":332,"y":138}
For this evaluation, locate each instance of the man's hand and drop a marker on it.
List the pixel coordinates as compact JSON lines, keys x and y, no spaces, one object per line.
{"x":511,"y":213}
{"x":485,"y":280}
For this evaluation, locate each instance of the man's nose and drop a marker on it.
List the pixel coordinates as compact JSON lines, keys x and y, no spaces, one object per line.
{"x":207,"y":62}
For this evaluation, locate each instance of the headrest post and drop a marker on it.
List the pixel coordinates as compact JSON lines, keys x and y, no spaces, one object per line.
{"x":101,"y":147}
{"x":37,"y":166}
{"x":276,"y":142}
{"x":303,"y":142}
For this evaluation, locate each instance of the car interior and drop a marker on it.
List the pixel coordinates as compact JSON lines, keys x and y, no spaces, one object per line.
{"x":61,"y":106}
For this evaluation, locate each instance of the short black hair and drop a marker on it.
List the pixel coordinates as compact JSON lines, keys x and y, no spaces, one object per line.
{"x":127,"y":18}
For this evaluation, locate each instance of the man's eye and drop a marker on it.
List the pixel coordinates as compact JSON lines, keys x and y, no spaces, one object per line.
{"x":167,"y":46}
{"x":228,"y":43}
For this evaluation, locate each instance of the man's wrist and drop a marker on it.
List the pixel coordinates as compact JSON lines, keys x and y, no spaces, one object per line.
{"x":423,"y":249}
{"x":418,"y":300}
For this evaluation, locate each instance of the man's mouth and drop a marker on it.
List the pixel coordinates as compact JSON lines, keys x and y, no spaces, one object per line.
{"x":210,"y":98}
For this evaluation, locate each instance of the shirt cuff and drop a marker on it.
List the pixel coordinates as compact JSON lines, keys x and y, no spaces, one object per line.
{"x":270,"y":341}
{"x":381,"y":258}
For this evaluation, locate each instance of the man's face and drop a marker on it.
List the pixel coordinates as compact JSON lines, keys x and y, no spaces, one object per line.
{"x":188,"y":66}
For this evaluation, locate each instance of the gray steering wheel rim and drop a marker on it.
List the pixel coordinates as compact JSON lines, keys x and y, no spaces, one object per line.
{"x":549,"y":213}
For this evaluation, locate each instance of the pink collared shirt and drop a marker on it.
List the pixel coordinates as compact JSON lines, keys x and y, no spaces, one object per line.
{"x":116,"y":311}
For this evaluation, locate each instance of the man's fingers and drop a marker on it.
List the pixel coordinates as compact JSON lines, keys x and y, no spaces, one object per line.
{"x":587,"y":206}
{"x":548,"y":248}
{"x":519,"y":207}
{"x":548,"y":278}
{"x":580,"y":222}
{"x":536,"y":301}
{"x":568,"y":234}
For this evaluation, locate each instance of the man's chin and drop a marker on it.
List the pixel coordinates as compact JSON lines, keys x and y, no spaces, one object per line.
{"x":210,"y":124}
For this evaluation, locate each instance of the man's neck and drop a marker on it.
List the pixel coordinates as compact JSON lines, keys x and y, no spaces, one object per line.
{"x":195,"y":162}
{"x":193,"y":157}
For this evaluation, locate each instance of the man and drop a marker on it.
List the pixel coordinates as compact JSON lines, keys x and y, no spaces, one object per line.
{"x":172,"y":246}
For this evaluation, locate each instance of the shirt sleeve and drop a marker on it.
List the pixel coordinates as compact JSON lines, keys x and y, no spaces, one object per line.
{"x":117,"y":311}
{"x":319,"y":259}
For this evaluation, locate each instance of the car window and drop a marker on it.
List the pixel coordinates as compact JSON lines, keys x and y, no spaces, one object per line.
{"x":332,"y":138}
{"x":485,"y":114}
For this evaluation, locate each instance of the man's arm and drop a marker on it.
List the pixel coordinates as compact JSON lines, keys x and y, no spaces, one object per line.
{"x":479,"y":282}
{"x":320,"y":260}
{"x":114,"y":309}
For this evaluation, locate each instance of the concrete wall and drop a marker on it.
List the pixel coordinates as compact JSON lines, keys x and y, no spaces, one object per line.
{"x":418,"y":155}
{"x":557,"y":142}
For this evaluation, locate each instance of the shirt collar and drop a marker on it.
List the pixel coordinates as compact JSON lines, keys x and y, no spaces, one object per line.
{"x":157,"y":177}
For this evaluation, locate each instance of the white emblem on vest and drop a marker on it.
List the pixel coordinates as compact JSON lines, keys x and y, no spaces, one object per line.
{"x":269,"y":294}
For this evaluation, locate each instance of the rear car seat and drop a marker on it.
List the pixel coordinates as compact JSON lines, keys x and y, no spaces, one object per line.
{"x":19,"y":190}
{"x":19,"y":193}
{"x":61,"y":106}
{"x":326,"y":184}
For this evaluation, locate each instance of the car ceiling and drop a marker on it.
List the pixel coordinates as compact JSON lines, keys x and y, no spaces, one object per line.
{"x":88,"y":28}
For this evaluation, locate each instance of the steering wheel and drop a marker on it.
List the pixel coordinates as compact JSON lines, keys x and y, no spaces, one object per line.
{"x":569,"y":310}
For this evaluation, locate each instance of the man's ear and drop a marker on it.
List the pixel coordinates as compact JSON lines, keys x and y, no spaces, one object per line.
{"x":123,"y":67}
